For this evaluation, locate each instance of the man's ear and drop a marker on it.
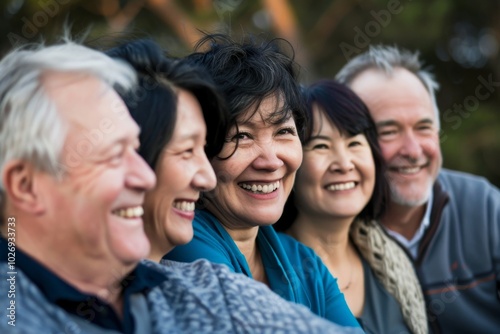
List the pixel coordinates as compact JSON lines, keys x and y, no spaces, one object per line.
{"x":21,"y":190}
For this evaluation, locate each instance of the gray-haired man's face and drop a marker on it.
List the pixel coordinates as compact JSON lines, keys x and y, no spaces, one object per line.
{"x":95,"y":209}
{"x":407,"y":130}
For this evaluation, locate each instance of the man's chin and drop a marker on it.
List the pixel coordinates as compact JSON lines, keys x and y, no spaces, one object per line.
{"x":131,"y":253}
{"x":409,"y":202}
{"x":410,"y":197}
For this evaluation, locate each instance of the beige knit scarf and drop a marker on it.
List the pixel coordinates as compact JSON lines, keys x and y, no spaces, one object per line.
{"x":394,"y":270}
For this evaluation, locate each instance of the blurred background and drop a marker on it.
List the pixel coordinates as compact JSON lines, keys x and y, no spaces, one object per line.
{"x":458,"y":39}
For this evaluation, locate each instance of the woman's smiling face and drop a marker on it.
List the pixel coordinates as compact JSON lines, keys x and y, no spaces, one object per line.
{"x":255,"y":181}
{"x":337,"y":176}
{"x":183,"y":171}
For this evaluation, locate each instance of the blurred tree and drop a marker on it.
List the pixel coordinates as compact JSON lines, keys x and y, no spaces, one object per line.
{"x":459,"y":40}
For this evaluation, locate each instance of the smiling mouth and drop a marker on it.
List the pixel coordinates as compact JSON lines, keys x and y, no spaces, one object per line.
{"x":129,"y":213}
{"x":407,"y":170}
{"x":186,"y":206}
{"x":341,"y":186}
{"x":265,"y":188}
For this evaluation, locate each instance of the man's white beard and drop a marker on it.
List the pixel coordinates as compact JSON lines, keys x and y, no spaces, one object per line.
{"x":412,"y":197}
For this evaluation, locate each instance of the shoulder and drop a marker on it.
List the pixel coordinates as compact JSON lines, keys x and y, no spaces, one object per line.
{"x":201,"y":274}
{"x":204,"y":221}
{"x":36,"y":309}
{"x":210,"y":241}
{"x":208,"y":229}
{"x":305,"y":260}
{"x":208,"y":283}
{"x":212,"y":298}
{"x":293,"y":244}
{"x":188,"y":274}
{"x":454,"y":180}
{"x":293,"y":247}
{"x":172,"y":268}
{"x":208,"y":278}
{"x":286,"y":239}
{"x":474,"y":191}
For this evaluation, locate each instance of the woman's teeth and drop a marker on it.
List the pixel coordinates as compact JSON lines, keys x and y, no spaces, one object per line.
{"x":132,"y":212}
{"x":261,"y":188}
{"x":184,"y":206}
{"x":341,"y":186}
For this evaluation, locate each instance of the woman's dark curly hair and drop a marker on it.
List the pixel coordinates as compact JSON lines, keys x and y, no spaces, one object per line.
{"x":248,"y":72}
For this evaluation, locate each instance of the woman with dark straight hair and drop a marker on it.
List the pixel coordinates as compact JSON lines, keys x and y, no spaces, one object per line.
{"x":339,"y":192}
{"x":183,"y":121}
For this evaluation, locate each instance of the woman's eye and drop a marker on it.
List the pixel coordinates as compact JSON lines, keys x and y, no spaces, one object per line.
{"x":240,"y":136}
{"x":354,"y":143}
{"x":320,"y":147}
{"x":188,"y":153}
{"x":287,"y":130}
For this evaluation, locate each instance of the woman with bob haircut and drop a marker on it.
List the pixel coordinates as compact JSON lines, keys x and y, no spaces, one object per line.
{"x":178,"y":110}
{"x":255,"y":172}
{"x":339,"y":192}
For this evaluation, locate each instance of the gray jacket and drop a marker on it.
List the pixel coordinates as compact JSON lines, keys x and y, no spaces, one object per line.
{"x":198,"y":297}
{"x":458,"y":261}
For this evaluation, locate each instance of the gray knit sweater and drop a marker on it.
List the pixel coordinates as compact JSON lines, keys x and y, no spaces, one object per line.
{"x":198,"y":297}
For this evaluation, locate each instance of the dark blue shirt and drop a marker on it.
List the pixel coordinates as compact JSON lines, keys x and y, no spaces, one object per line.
{"x":81,"y":304}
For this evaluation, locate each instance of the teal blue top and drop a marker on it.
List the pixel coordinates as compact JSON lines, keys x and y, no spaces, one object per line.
{"x":293,"y":270}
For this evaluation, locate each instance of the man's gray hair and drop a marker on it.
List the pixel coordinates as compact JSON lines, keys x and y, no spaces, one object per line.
{"x":31,"y":129}
{"x":386,"y":58}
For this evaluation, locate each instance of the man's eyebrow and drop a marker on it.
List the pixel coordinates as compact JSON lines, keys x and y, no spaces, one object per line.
{"x":110,"y":146}
{"x":122,"y":140}
{"x":389,"y":122}
{"x":426,"y":121}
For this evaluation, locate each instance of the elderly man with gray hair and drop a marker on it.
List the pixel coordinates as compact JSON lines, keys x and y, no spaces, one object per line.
{"x":448,"y":221}
{"x":72,"y":188}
